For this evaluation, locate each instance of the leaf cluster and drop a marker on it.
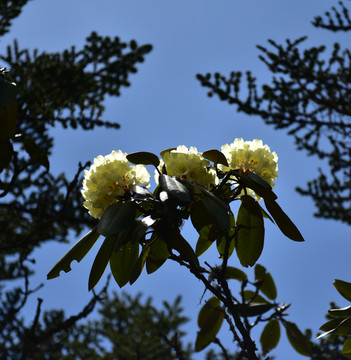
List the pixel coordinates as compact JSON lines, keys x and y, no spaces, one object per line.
{"x":144,"y":230}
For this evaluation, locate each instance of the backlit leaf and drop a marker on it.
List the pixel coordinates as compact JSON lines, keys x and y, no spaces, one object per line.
{"x":157,"y":256}
{"x":346,"y":349}
{"x":298,"y":340}
{"x":77,"y":252}
{"x":267,"y":285}
{"x":287,"y":227}
{"x":210,"y":320}
{"x":270,"y":336}
{"x":216,"y":156}
{"x":101,"y":260}
{"x":122,"y":262}
{"x":344,"y":288}
{"x":250,"y":233}
{"x":138,"y":268}
{"x":234,"y":273}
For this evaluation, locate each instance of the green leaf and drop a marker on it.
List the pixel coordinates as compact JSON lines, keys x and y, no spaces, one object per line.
{"x":77,"y":252}
{"x":257,"y":184}
{"x":221,"y":242}
{"x":144,"y":158}
{"x":234,"y":273}
{"x":216,"y":156}
{"x":217,"y":209}
{"x":346,"y":349}
{"x":157,"y":256}
{"x":177,"y":242}
{"x":343,"y":313}
{"x":36,"y":153}
{"x":344,"y":288}
{"x":122,"y":262}
{"x":337,"y":326}
{"x":267,"y":285}
{"x":251,"y":296}
{"x":6,"y":151}
{"x":175,"y":188}
{"x":270,"y":336}
{"x":250,"y":233}
{"x":200,"y":217}
{"x":298,"y":341}
{"x":163,"y":152}
{"x":117,"y":217}
{"x":101,"y":260}
{"x":286,"y":226}
{"x":204,"y":241}
{"x":210,"y":320}
{"x":138,"y":268}
{"x":330,"y":325}
{"x":253,"y":309}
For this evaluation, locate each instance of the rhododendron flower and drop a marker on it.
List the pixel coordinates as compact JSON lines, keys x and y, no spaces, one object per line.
{"x":189,"y":164}
{"x":252,"y":156}
{"x":108,"y":179}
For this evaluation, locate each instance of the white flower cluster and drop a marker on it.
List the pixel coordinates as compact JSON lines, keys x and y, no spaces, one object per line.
{"x":109,"y":177}
{"x":252,"y":156}
{"x":107,"y":180}
{"x":189,"y":164}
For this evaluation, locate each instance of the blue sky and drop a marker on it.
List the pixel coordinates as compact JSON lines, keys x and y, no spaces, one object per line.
{"x":166,"y":107}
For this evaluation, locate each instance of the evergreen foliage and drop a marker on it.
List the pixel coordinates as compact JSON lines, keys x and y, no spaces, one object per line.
{"x":309,"y":96}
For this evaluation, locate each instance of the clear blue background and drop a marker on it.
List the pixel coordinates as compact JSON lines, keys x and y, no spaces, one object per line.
{"x":166,"y":107}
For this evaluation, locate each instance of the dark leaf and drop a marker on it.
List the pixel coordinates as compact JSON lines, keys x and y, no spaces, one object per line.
{"x":346,"y":349}
{"x":177,"y":242}
{"x":267,"y":285}
{"x":117,"y":217}
{"x":270,"y":336}
{"x":138,"y":268}
{"x":101,"y":260}
{"x":122,"y":262}
{"x":163,"y":152}
{"x":286,"y":226}
{"x":217,"y":209}
{"x":204,"y":241}
{"x":8,"y":119}
{"x":250,"y":233}
{"x":251,"y":296}
{"x":216,"y":156}
{"x":337,"y":326}
{"x":175,"y":188}
{"x":157,"y":256}
{"x":221,"y":242}
{"x":6,"y":151}
{"x":298,"y":341}
{"x":8,"y":92}
{"x":144,"y":158}
{"x":344,"y":288}
{"x":343,"y":313}
{"x":234,"y":273}
{"x":36,"y":153}
{"x":77,"y":252}
{"x":210,"y":320}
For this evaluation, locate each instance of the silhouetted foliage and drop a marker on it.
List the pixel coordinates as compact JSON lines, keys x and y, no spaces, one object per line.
{"x":310,"y":96}
{"x":36,"y":206}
